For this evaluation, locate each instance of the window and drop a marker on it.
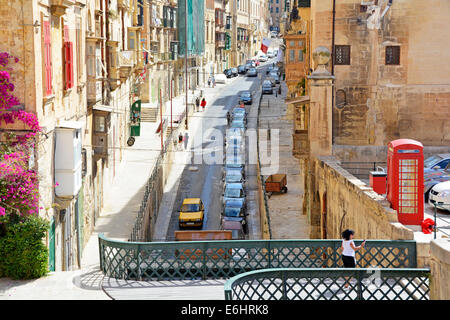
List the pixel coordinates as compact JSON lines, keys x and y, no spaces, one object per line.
{"x":276,"y":9}
{"x":47,"y":59}
{"x":99,"y":124}
{"x":342,"y":55}
{"x":291,"y":55}
{"x":68,"y":60}
{"x":300,"y":55}
{"x":300,"y":43}
{"x":393,"y":55}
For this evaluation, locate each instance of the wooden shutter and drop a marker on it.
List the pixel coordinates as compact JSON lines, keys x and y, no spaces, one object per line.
{"x":68,"y":59}
{"x":47,"y":58}
{"x":68,"y":64}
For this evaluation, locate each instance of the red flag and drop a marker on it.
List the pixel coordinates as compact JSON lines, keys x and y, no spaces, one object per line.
{"x":265,"y":44}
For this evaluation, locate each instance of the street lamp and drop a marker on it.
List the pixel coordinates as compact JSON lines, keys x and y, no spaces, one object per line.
{"x":185,"y":60}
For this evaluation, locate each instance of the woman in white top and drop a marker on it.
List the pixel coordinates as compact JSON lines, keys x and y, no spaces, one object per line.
{"x":348,"y":250}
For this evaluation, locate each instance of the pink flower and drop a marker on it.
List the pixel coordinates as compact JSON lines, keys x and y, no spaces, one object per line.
{"x":2,"y":211}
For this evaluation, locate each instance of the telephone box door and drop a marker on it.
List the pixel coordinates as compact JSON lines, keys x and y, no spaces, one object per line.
{"x":405,"y":180}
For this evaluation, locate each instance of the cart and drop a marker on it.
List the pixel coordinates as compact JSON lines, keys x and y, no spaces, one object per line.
{"x":276,"y":183}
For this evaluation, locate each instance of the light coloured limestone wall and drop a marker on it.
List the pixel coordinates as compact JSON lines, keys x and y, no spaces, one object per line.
{"x":440,"y":269}
{"x":387,"y":102}
{"x":350,"y":203}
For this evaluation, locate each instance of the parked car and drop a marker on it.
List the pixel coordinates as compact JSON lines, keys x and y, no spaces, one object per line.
{"x":234,"y":72}
{"x":228,"y":73}
{"x":238,"y":227}
{"x":242,"y":69}
{"x":440,"y":195}
{"x":252,"y":72}
{"x":275,"y":77}
{"x":437,"y":161}
{"x":267,"y":87}
{"x":220,"y":78}
{"x":433,"y":177}
{"x":235,"y":162}
{"x":262,"y":58}
{"x":233,"y":177}
{"x":234,"y":171}
{"x":234,"y":208}
{"x":238,"y":123}
{"x":233,"y":191}
{"x":191,"y":213}
{"x":248,"y":66}
{"x":246,"y":97}
{"x":436,"y":169}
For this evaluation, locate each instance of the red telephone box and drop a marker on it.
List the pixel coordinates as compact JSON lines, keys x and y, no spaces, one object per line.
{"x":405,"y":180}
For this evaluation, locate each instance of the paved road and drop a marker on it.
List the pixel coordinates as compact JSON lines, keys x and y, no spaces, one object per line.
{"x":203,"y":177}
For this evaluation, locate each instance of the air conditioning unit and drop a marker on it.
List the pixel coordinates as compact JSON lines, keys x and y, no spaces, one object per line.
{"x":68,"y":160}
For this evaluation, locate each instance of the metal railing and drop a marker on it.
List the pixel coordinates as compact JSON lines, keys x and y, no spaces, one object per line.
{"x":438,"y":220}
{"x":141,"y":230}
{"x":225,"y":259}
{"x":329,"y":284}
{"x":361,"y":170}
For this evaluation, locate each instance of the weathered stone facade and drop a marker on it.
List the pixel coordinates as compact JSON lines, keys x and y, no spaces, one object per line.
{"x":377,"y":102}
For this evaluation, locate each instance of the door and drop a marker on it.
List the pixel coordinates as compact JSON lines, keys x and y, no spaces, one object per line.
{"x":51,"y":246}
{"x":67,"y":238}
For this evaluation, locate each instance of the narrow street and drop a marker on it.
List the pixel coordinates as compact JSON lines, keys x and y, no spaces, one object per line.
{"x":204,"y":180}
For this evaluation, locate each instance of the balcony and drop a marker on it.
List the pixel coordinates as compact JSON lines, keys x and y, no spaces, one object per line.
{"x":94,"y":91}
{"x":301,"y":144}
{"x":59,"y":7}
{"x":127,"y":58}
{"x":220,"y":43}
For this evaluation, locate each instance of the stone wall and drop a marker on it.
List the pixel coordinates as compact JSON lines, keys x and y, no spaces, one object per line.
{"x":440,"y":269}
{"x":339,"y":201}
{"x":380,"y":102}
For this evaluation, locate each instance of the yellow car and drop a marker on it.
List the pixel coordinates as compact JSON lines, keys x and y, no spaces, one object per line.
{"x":191,"y":213}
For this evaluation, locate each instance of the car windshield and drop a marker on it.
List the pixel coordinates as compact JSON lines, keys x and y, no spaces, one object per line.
{"x":252,"y":70}
{"x":232,"y":211}
{"x":233,"y":193}
{"x":190,"y":207}
{"x":245,"y":94}
{"x":431,"y":161}
{"x":267,"y":83}
{"x":233,"y":178}
{"x":239,"y":110}
{"x":237,"y":124}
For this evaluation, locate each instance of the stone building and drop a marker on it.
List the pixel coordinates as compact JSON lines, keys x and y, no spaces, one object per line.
{"x":79,"y":66}
{"x":391,"y":78}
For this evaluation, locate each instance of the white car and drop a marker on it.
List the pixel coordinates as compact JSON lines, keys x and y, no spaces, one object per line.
{"x":262,"y":58}
{"x":220,"y":78}
{"x":440,"y":195}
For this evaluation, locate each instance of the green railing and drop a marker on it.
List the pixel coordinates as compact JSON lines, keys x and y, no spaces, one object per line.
{"x":329,"y":284}
{"x":225,"y":259}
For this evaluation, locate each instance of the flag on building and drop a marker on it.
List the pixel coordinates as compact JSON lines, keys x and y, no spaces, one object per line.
{"x":265,"y":44}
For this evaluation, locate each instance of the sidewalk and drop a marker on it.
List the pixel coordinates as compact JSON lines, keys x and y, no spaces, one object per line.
{"x":285,"y":210}
{"x":117,"y":218}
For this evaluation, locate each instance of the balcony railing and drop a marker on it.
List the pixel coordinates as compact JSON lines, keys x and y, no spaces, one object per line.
{"x":127,"y":58}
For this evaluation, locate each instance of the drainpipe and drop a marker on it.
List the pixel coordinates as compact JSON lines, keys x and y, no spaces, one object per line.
{"x":332,"y":38}
{"x":389,"y":4}
{"x":333,"y":52}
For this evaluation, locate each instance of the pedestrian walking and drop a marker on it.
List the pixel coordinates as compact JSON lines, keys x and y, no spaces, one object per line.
{"x":197,"y":103}
{"x":214,"y":82}
{"x":185,"y":139}
{"x":203,"y":104}
{"x":209,"y":82}
{"x":180,"y":140}
{"x":348,"y":250}
{"x":228,"y":117}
